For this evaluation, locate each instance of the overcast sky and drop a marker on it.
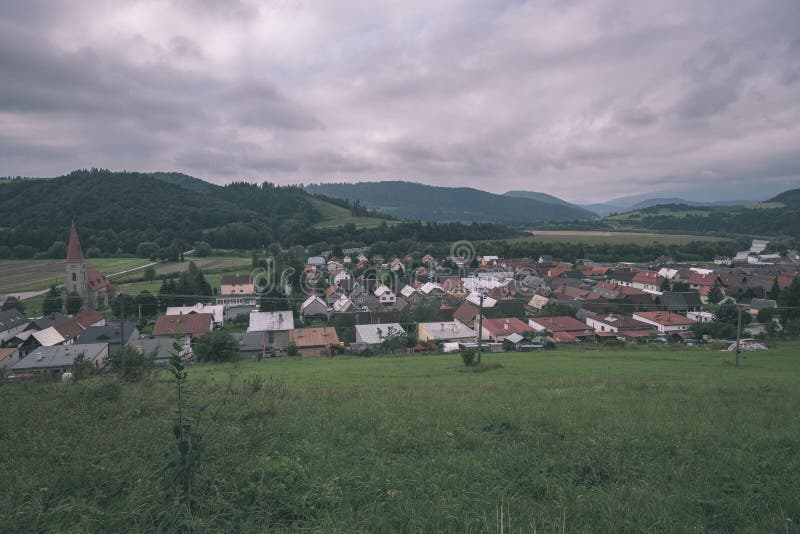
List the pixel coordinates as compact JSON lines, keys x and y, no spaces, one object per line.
{"x":587,"y":100}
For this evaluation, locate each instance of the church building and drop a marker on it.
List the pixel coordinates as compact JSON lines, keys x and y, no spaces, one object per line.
{"x":90,"y":284}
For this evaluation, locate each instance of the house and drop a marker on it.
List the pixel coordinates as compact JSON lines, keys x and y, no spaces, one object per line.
{"x":64,"y":332}
{"x":314,"y":306}
{"x":314,"y":341}
{"x":57,"y":360}
{"x":618,"y":326}
{"x":445,"y":331}
{"x":384,"y":294}
{"x":8,"y":358}
{"x":702,"y":279}
{"x":344,"y":305}
{"x":538,"y":302}
{"x":89,"y":284}
{"x":237,"y":290}
{"x":315,"y":261}
{"x":499,"y":329}
{"x":161,"y":349}
{"x":621,"y":277}
{"x":756,"y":305}
{"x":723,"y":260}
{"x":649,"y":281}
{"x":87,"y":318}
{"x":681,"y":302}
{"x":466,"y":314}
{"x":666,"y":322}
{"x":275,"y":321}
{"x":216,"y":310}
{"x":562,"y":329}
{"x":430,"y":290}
{"x":375,"y":334}
{"x":12,"y":322}
{"x":475,"y":298}
{"x":259,"y":345}
{"x":111,"y":334}
{"x":701,"y":316}
{"x":189,"y":327}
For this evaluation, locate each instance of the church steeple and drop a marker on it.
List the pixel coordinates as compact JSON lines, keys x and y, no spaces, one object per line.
{"x":77,"y":280}
{"x":74,"y":250}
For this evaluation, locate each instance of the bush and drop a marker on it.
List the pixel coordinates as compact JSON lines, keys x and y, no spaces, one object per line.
{"x":216,"y":347}
{"x":468,"y":356}
{"x":130,"y":365}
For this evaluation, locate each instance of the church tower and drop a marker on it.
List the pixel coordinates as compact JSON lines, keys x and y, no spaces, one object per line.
{"x":77,"y":281}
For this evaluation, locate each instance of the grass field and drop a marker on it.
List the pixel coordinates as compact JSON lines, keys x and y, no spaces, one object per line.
{"x":31,"y":275}
{"x":615,"y":238}
{"x":337,"y":216}
{"x":623,"y":440}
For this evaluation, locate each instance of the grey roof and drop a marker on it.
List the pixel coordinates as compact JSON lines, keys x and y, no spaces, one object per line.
{"x":448,"y":330}
{"x":270,"y":321}
{"x":760,"y":304}
{"x":375,"y":334}
{"x":257,"y":341}
{"x":11,"y":319}
{"x":59,"y":356}
{"x":162,"y":347}
{"x":621,"y":275}
{"x":54,"y":319}
{"x":110,"y":333}
{"x":681,"y":301}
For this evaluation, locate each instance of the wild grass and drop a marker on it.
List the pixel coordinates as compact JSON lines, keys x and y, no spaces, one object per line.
{"x":588,"y":441}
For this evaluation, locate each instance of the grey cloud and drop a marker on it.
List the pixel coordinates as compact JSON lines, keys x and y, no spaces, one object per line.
{"x":612,"y":96}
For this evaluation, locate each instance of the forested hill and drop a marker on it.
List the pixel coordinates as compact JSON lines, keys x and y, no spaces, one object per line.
{"x":409,"y":200}
{"x":116,"y":211}
{"x":764,"y":220}
{"x":788,"y":198}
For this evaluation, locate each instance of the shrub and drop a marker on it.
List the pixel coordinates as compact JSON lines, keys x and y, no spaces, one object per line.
{"x":468,"y":356}
{"x":216,"y":347}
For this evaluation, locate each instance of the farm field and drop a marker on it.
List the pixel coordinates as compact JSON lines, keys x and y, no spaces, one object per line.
{"x":615,"y":238}
{"x":337,"y":216}
{"x":31,"y":275}
{"x":566,"y":440}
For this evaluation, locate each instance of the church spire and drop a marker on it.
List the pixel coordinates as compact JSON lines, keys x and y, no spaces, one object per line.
{"x":74,"y":250}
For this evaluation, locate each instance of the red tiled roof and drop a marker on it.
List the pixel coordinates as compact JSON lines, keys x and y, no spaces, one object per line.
{"x":96,"y":279}
{"x":664,"y":318}
{"x":466,"y":313}
{"x":193,"y":324}
{"x":564,"y":337}
{"x":562,"y":324}
{"x":69,"y":329}
{"x":498,"y":326}
{"x":699,"y":279}
{"x":74,"y":250}
{"x":635,"y":334}
{"x":313,"y":337}
{"x":648,"y":277}
{"x":88,"y":317}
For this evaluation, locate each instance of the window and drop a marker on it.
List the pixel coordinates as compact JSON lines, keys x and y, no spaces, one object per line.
{"x":74,"y":278}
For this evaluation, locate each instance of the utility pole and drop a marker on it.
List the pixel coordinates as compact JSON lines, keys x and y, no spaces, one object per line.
{"x":480,"y":329}
{"x":122,"y":330}
{"x":738,"y":334}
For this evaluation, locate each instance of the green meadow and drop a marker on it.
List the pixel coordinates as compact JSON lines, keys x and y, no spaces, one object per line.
{"x":622,"y":440}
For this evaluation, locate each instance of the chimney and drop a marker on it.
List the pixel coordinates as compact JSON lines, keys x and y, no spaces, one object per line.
{"x":442,"y":325}
{"x":455,"y":328}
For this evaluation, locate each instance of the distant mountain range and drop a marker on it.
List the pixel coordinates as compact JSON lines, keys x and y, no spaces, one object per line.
{"x":625,"y":204}
{"x":415,"y":201}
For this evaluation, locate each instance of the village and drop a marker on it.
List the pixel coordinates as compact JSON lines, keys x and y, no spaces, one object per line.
{"x":364,"y":305}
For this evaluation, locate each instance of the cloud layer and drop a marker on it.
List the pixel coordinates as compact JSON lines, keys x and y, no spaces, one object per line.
{"x":587,"y":100}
